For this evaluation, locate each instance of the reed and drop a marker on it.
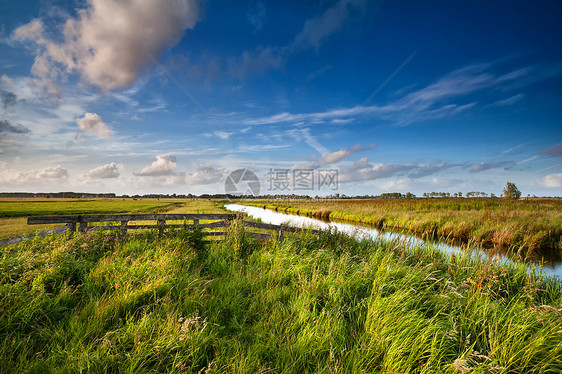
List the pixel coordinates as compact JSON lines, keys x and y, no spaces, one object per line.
{"x":529,"y":227}
{"x":328,"y":303}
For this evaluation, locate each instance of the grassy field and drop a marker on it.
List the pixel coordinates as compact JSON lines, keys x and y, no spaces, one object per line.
{"x":526,"y":227}
{"x":322,"y":304}
{"x":14,"y":212}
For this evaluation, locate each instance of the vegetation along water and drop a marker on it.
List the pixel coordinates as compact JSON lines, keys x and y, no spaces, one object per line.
{"x":99,"y":302}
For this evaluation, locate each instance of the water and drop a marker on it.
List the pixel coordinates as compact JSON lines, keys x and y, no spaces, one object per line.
{"x":360,"y":231}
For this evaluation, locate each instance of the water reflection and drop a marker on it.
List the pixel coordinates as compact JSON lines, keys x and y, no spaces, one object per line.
{"x":360,"y":231}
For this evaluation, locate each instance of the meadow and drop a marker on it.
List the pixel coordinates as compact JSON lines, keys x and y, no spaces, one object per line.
{"x":169,"y":303}
{"x":526,"y":227}
{"x":100,"y":302}
{"x":14,"y":212}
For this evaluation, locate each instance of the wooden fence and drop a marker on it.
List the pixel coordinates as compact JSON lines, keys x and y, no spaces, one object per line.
{"x":126,"y":222}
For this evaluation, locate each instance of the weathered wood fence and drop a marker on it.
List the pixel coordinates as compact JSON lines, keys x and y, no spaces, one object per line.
{"x":126,"y":222}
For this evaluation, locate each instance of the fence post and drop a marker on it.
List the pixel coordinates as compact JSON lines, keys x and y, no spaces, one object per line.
{"x":83,"y":226}
{"x":160,"y":222}
{"x":195,"y":221}
{"x":124,"y":227}
{"x":71,"y":226}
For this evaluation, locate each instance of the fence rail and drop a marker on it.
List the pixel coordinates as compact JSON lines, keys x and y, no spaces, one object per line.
{"x":82,"y":223}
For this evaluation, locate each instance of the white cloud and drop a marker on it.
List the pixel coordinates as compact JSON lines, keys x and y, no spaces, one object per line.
{"x":205,"y":174}
{"x":50,"y":174}
{"x":110,"y":170}
{"x":165,"y":165}
{"x":6,"y":80}
{"x":308,"y":138}
{"x":491,"y":165}
{"x":337,"y":156}
{"x":399,"y":185}
{"x":222,"y":134}
{"x":53,"y":172}
{"x":363,"y":170}
{"x":93,"y":124}
{"x":551,"y":181}
{"x":434,"y":101}
{"x":109,"y":42}
{"x":509,"y":101}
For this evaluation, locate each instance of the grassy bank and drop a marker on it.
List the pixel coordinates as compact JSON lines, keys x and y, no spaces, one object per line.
{"x":310,"y":304}
{"x":14,"y":212}
{"x":527,"y":227}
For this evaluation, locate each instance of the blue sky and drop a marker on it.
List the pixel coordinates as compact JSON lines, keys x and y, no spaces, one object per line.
{"x":171,"y":96}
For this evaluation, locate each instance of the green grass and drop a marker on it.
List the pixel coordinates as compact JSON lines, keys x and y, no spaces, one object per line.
{"x":39,"y":207}
{"x":14,"y":212}
{"x":526,"y":227}
{"x":100,"y":303}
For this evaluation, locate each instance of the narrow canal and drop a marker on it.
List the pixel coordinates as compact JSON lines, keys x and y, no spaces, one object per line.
{"x":361,"y":231}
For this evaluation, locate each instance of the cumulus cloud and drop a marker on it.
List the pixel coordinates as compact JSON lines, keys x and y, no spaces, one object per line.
{"x":164,"y":165}
{"x":337,"y":156}
{"x":400,"y":184}
{"x":7,"y":127}
{"x":92,"y":124}
{"x":553,"y":151}
{"x":6,"y":80}
{"x":551,"y":181}
{"x":205,"y":174}
{"x":110,"y":41}
{"x":363,"y":170}
{"x":105,"y":171}
{"x":50,"y":173}
{"x":491,"y":165}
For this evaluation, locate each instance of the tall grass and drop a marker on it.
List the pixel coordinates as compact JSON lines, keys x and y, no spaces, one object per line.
{"x":326,"y":303}
{"x":525,"y":227}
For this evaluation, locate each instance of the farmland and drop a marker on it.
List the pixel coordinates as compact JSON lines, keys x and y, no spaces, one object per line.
{"x":167,"y":302}
{"x":525,"y":227}
{"x":327,"y":303}
{"x":13,"y":212}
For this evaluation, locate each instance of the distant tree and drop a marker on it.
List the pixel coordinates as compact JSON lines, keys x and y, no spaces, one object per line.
{"x":510,"y":191}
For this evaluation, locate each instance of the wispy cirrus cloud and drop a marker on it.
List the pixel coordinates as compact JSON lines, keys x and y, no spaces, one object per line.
{"x":491,"y":165}
{"x":447,"y":97}
{"x":315,"y":32}
{"x":553,"y":151}
{"x":509,"y":101}
{"x":337,"y":156}
{"x":363,"y":170}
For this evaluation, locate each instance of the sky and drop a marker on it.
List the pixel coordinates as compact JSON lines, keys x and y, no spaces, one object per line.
{"x":355,"y":97}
